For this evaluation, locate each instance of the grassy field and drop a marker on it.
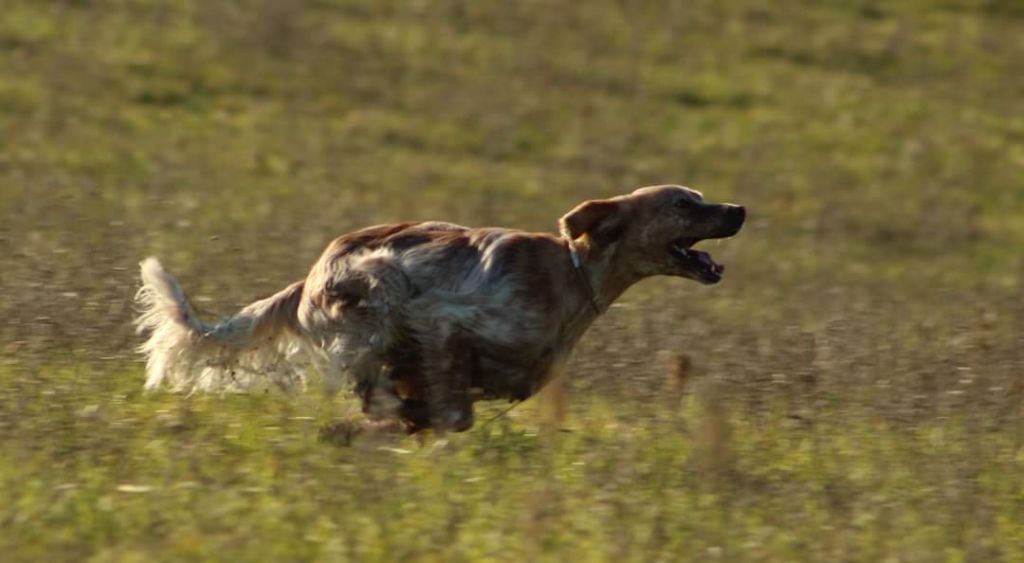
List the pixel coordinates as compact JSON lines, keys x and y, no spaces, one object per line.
{"x":854,"y":389}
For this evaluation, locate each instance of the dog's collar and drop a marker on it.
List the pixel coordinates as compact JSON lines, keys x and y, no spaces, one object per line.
{"x":581,"y":270}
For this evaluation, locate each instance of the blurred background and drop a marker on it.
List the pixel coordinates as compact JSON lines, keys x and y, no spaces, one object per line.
{"x":852,"y":390}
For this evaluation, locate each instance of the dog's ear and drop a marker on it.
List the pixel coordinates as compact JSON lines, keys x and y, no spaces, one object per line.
{"x":602,"y":219}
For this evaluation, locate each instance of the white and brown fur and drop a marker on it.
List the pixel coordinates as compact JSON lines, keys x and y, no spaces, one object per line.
{"x":426,"y":318}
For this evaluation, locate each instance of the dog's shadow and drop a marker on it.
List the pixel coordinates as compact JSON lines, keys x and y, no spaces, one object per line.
{"x":389,"y":435}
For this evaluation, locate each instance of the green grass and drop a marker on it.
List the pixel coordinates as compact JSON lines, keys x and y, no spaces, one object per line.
{"x":856,"y":391}
{"x":124,"y":476}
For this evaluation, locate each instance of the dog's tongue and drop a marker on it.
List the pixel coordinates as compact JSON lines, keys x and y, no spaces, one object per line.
{"x":705,"y":259}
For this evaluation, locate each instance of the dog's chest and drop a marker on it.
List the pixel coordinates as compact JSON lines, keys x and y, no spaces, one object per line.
{"x":509,"y":376}
{"x":517,"y":362}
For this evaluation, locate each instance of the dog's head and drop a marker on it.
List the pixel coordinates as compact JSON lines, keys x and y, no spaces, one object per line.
{"x":652,"y":230}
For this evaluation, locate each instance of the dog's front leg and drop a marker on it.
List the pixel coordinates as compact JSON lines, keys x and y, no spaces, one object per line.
{"x":447,"y":370}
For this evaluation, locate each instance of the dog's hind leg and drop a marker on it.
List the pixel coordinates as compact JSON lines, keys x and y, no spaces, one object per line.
{"x":353,"y":358}
{"x":380,"y":401}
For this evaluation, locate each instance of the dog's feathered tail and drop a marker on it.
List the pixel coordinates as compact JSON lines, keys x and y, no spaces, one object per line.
{"x":252,"y":348}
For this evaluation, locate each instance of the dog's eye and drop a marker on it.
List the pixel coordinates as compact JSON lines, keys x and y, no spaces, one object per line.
{"x":682,"y":204}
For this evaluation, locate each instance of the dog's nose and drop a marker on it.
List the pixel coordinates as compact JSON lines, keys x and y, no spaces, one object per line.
{"x":737,"y":212}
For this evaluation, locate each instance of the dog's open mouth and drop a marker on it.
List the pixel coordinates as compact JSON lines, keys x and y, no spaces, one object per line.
{"x":697,"y":262}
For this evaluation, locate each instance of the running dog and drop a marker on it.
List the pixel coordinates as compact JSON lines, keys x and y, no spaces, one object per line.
{"x":427,"y":318}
